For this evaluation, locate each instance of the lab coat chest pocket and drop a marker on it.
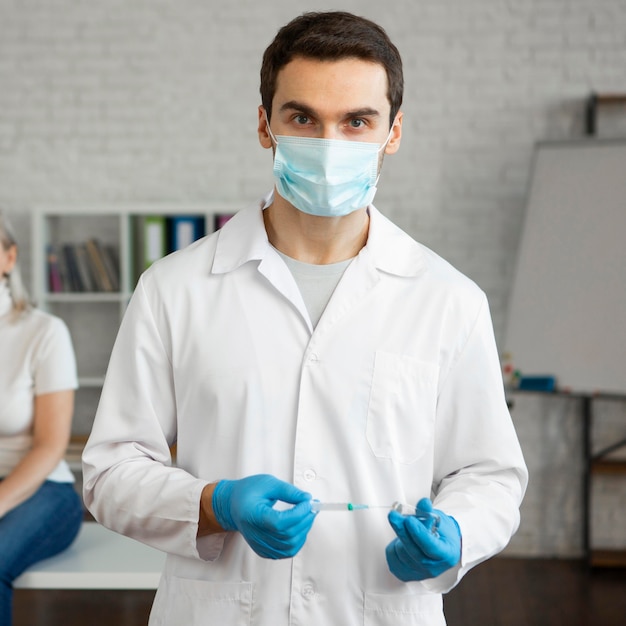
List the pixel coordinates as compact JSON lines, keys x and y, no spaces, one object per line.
{"x":401,"y":411}
{"x":202,"y":603}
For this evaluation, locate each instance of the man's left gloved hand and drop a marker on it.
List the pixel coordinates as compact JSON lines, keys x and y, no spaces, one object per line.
{"x":419,"y":551}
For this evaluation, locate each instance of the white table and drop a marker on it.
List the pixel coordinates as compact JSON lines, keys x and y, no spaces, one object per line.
{"x":98,"y":559}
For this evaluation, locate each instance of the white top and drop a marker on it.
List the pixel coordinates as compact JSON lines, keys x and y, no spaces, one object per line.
{"x":395,"y":395}
{"x":37,"y":358}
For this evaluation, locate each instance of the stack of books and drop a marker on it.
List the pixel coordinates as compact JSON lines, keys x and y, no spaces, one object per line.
{"x":84,"y":267}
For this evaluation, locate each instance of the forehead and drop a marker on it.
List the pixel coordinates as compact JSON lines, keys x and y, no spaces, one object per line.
{"x":347,"y":84}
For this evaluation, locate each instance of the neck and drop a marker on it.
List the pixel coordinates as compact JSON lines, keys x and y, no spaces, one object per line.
{"x":313,"y":239}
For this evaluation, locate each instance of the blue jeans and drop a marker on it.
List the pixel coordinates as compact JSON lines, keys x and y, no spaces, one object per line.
{"x":40,"y":527}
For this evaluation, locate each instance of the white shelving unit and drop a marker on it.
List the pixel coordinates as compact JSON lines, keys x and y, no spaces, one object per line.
{"x":93,"y":317}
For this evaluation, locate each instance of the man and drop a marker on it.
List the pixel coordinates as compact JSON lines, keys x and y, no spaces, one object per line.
{"x":310,"y":349}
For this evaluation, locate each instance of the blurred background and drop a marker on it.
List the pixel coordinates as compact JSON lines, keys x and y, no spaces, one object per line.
{"x":154,"y":102}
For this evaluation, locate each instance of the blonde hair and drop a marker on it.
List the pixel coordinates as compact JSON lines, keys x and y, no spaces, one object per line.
{"x":19,"y":295}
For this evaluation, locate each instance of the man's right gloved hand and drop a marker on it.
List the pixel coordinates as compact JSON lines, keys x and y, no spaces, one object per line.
{"x":247,"y":505}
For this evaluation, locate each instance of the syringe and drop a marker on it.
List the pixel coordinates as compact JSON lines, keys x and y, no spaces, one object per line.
{"x":404,"y":509}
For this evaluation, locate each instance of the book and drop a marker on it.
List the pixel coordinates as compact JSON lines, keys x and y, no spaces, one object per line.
{"x":111,"y":265}
{"x":75,"y":283}
{"x":84,"y":268}
{"x":63,"y":271}
{"x":55,"y":282}
{"x":102,"y":279}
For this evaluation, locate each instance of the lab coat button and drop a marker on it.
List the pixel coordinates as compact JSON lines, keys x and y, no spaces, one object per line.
{"x":313,"y":358}
{"x":308,"y":591}
{"x":309,"y":475}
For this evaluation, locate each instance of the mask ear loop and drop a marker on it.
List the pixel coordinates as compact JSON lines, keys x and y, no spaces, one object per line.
{"x":384,"y":145}
{"x":381,"y":149}
{"x":269,"y":130}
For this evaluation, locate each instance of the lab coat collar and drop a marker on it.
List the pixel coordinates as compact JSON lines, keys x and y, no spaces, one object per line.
{"x":243,"y":238}
{"x":391,"y":249}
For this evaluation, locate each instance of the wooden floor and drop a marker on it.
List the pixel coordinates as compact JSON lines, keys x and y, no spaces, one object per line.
{"x":501,"y":592}
{"x":538,"y":592}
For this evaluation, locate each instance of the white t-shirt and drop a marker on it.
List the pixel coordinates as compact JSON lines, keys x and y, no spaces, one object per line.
{"x":316,"y":283}
{"x":36,"y":357}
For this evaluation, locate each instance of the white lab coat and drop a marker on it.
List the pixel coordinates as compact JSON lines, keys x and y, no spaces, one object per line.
{"x":397,"y":394}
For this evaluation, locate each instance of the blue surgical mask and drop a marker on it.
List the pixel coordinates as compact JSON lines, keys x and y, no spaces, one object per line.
{"x":326,"y":177}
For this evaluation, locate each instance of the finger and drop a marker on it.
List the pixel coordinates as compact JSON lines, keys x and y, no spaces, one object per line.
{"x":286,"y":492}
{"x":402,"y":564}
{"x":424,"y":506}
{"x":414,"y":534}
{"x":292,"y":522}
{"x":283,"y":523}
{"x":395,"y":562}
{"x":398,"y":523}
{"x":420,"y":535}
{"x":282,"y":544}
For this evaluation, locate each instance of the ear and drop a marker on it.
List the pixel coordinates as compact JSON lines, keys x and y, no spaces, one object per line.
{"x":393,"y":145}
{"x":264,"y":137}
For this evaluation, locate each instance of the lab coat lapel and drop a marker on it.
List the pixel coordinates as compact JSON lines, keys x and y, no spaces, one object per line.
{"x":278,"y":274}
{"x":388,"y":250}
{"x":358,"y":280}
{"x":243,"y":239}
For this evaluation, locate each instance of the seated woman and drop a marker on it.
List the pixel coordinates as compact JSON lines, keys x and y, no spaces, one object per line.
{"x":40,"y":511}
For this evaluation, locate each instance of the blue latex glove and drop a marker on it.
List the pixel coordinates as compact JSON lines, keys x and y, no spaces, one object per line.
{"x":247,"y":504}
{"x":421,"y":551}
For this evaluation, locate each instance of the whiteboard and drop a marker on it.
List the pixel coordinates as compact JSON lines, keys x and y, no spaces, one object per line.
{"x":567,"y":307}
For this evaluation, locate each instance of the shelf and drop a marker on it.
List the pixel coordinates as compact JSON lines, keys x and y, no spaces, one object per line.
{"x":609,"y":467}
{"x":601,"y":463}
{"x":607,"y":558}
{"x":597,"y":100}
{"x":90,"y":381}
{"x":93,"y":317}
{"x":86,"y":297}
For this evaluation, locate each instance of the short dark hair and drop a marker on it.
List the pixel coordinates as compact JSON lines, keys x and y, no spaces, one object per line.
{"x":331,"y":36}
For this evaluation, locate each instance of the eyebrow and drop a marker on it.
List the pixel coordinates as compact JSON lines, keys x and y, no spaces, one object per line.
{"x":293,"y":105}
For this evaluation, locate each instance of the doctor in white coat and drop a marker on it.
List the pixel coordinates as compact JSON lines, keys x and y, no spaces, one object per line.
{"x":309,"y":350}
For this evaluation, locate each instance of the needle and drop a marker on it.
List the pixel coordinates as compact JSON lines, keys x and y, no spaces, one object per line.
{"x":404,"y":509}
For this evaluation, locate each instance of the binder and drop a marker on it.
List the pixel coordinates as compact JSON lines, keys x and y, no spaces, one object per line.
{"x":221,"y":219}
{"x":149,"y":242}
{"x":184,"y":230}
{"x":154,"y":242}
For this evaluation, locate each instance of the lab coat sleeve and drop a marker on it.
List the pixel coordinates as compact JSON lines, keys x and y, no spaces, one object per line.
{"x":130,"y":485}
{"x":480,"y":475}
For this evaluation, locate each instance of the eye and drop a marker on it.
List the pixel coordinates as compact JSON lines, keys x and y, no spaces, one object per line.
{"x":357,"y":123}
{"x":301,"y":119}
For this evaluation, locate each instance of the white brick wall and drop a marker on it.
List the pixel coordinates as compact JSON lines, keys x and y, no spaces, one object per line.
{"x":156,"y":100}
